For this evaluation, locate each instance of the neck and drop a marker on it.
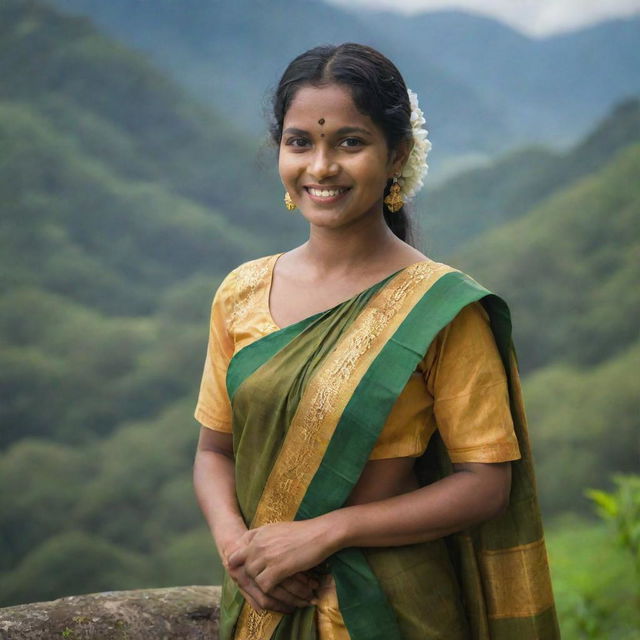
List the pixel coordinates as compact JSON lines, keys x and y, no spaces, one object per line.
{"x":352,"y":249}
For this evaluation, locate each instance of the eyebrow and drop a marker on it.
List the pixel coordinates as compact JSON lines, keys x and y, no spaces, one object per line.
{"x":340,"y":132}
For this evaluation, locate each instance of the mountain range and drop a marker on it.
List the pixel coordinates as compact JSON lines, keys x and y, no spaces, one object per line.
{"x":484,"y":87}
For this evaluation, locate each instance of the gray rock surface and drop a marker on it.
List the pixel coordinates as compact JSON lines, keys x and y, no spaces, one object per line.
{"x":176,"y":613}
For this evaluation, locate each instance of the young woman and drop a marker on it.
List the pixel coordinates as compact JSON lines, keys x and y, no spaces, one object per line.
{"x":363,"y":461}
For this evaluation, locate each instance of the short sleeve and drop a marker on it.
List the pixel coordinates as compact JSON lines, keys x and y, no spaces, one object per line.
{"x":466,"y":377}
{"x":213,"y":408}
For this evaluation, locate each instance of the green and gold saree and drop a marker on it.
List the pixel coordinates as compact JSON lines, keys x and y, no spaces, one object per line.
{"x":308,"y":404}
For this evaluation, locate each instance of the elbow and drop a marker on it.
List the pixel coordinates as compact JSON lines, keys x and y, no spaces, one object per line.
{"x":497,"y":499}
{"x":493,"y":483}
{"x":494,"y":507}
{"x":499,"y":504}
{"x":502,"y":506}
{"x":502,"y":488}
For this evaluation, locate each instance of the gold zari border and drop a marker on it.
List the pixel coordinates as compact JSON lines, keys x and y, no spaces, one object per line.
{"x":249,"y":278}
{"x":323,"y":402}
{"x":509,"y":585}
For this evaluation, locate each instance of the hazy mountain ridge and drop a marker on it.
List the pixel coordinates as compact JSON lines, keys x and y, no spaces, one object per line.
{"x":479,"y":199}
{"x":234,"y":56}
{"x":467,"y":69}
{"x":557,"y":86}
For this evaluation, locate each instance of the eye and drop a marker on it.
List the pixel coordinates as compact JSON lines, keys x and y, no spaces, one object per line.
{"x":357,"y":142}
{"x":292,"y":142}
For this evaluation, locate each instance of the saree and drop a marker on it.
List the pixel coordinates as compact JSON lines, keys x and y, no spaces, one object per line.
{"x":308,"y":403}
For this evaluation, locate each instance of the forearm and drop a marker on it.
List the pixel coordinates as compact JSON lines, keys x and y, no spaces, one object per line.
{"x":214,"y":484}
{"x":448,"y":505}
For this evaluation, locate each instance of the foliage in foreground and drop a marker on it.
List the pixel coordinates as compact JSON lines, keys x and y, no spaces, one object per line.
{"x":597,"y":587}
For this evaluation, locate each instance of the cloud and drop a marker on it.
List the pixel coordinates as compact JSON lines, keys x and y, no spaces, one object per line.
{"x":534,"y":17}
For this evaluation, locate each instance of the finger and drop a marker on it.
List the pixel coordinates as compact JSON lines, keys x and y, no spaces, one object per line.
{"x":265,"y":601}
{"x":307,"y":578}
{"x":237,"y":557}
{"x":270,"y":584}
{"x":298,"y":588}
{"x":238,"y":545}
{"x":247,"y":596}
{"x":286,"y":596}
{"x":255,"y":567}
{"x":261,"y":599}
{"x":225,"y":560}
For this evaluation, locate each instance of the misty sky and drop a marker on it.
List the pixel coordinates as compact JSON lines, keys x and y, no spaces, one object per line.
{"x":535,"y":17}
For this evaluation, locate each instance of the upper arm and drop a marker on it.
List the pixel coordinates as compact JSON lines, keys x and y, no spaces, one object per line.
{"x":468,"y":382}
{"x":495,"y":476}
{"x":216,"y":441}
{"x":213,"y":408}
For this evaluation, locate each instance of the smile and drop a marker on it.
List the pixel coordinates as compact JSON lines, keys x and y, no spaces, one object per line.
{"x":326,"y":195}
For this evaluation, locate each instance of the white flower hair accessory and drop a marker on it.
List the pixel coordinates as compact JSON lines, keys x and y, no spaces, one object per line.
{"x":415,"y":169}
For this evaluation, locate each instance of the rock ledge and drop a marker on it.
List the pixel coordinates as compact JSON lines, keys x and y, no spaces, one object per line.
{"x":175,"y":613}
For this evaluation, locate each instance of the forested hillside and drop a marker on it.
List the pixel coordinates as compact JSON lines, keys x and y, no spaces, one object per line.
{"x":123,"y":201}
{"x":572,"y":263}
{"x":569,"y":269}
{"x":123,"y":204}
{"x":477,"y":200}
{"x":109,"y":160}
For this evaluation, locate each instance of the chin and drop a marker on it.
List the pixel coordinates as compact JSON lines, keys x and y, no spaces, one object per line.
{"x":325,"y":218}
{"x":332,"y":223}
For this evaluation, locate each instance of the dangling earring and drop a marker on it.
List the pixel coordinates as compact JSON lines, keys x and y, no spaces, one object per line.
{"x":288,"y":202}
{"x":394,"y":200}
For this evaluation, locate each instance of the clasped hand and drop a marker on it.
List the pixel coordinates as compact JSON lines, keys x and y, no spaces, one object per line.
{"x":270,"y":564}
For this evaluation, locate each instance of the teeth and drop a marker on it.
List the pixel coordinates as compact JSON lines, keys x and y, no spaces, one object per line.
{"x":325,"y":193}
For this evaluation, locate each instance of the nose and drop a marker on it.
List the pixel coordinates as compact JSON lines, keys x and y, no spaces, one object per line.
{"x":322,"y":164}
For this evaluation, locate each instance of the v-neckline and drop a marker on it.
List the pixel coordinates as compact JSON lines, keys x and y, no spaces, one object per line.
{"x":269,"y":284}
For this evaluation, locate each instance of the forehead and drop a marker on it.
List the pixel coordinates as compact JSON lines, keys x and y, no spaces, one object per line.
{"x":332,"y":102}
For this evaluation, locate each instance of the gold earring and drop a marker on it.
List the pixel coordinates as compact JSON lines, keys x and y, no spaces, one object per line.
{"x":288,"y":202}
{"x":394,"y":200}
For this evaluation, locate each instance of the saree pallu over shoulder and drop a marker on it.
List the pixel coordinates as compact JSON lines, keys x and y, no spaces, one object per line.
{"x":309,"y":402}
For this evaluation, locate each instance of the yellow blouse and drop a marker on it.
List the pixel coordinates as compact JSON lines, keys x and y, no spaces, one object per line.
{"x":459,"y":387}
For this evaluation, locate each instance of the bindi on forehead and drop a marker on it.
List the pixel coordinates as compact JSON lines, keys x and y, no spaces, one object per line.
{"x":321,"y":121}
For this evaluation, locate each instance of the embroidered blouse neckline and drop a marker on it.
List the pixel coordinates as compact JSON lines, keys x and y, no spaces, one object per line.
{"x":269,"y":281}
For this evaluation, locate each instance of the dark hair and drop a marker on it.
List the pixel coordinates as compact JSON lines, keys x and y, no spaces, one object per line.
{"x":377,"y":88}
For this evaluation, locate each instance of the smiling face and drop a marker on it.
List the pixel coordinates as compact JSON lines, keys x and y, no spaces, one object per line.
{"x":333,"y":160}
